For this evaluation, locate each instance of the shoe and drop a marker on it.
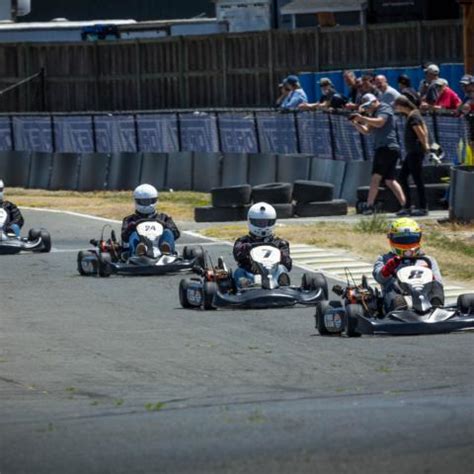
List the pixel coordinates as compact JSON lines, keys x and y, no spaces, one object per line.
{"x":368,"y":211}
{"x":419,"y":212}
{"x":165,"y":248}
{"x":140,"y":249}
{"x":403,"y":212}
{"x":284,"y":280}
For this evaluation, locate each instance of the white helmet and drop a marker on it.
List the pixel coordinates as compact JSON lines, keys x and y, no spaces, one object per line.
{"x":146,"y":197}
{"x":2,"y":187}
{"x":261,"y":219}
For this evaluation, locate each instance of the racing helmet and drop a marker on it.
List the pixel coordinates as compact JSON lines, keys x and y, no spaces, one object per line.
{"x":146,"y":197}
{"x":405,"y":237}
{"x":2,"y":187}
{"x":261,"y":219}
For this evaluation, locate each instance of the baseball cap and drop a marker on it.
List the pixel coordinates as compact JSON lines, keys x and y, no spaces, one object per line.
{"x":292,"y":80}
{"x":466,"y":79}
{"x":440,"y":82}
{"x":325,"y":81}
{"x":368,"y":100}
{"x":404,"y":79}
{"x":432,"y":68}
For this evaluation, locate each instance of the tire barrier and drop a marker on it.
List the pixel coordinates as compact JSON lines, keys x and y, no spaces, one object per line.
{"x":293,"y":167}
{"x":273,"y":193}
{"x":262,"y":168}
{"x":433,"y":174}
{"x":93,"y":171}
{"x":220,"y":214}
{"x":284,"y":211}
{"x":15,"y":168}
{"x":206,"y":171}
{"x":312,"y":191}
{"x":65,"y":171}
{"x":329,"y":171}
{"x":154,"y":169}
{"x":385,"y":202}
{"x":234,"y":169}
{"x":337,"y":207}
{"x":180,"y":171}
{"x":233,"y":196}
{"x":462,"y":180}
{"x":40,"y":170}
{"x":124,"y":172}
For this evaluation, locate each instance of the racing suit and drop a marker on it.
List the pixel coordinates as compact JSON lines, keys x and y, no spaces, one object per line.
{"x":15,"y":219}
{"x":244,"y":245}
{"x":388,"y":282}
{"x":129,"y":225}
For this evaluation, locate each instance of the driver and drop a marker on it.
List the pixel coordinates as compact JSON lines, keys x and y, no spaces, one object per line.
{"x":261,"y":222}
{"x":405,"y":239}
{"x":15,"y":220}
{"x":146,"y":197}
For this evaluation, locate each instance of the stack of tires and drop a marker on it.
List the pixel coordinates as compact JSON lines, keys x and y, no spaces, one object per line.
{"x":228,"y":204}
{"x":436,"y":188}
{"x":316,"y":199}
{"x":303,"y":199}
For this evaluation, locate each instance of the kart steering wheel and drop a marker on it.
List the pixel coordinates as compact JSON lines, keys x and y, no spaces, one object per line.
{"x":423,"y":258}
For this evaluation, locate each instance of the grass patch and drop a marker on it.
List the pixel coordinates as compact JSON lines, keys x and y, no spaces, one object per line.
{"x":109,"y":204}
{"x":452,"y":245}
{"x":154,"y":406}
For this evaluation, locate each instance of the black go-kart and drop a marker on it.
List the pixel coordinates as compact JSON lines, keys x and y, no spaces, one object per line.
{"x":38,"y":240}
{"x":108,"y":257}
{"x":414,"y":306}
{"x":214,"y":286}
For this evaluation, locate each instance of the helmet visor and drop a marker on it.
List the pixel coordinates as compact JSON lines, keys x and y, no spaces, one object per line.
{"x":405,"y":239}
{"x":146,"y":202}
{"x":261,"y":223}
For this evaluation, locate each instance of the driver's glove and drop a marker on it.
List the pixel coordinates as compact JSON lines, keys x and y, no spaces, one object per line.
{"x":254,"y":268}
{"x":390,"y":267}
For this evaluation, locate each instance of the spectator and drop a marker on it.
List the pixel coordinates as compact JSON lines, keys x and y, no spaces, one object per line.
{"x":388,"y":93}
{"x":380,"y":121}
{"x":296,"y":95}
{"x":446,"y":98}
{"x":464,"y":83}
{"x":350,"y":80}
{"x":404,"y":85}
{"x":330,"y":98}
{"x":353,"y":104}
{"x":283,"y":93}
{"x":468,"y":104}
{"x":431,"y":74}
{"x":417,"y":144}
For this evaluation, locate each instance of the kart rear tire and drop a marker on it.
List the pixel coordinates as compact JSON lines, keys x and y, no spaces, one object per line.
{"x":272,"y":193}
{"x":312,"y":191}
{"x":231,"y":196}
{"x":46,"y":239}
{"x":353,"y":312}
{"x":183,"y":294}
{"x":465,"y":303}
{"x":34,"y":234}
{"x":191,"y":253}
{"x":104,"y":265}
{"x":321,"y":309}
{"x":315,"y":281}
{"x":80,"y":257}
{"x":209,"y":289}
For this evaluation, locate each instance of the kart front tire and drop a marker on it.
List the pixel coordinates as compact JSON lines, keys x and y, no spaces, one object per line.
{"x":194,"y":253}
{"x":34,"y":234}
{"x":104,"y":265}
{"x":183,"y":294}
{"x":465,"y":303}
{"x":81,"y":256}
{"x":321,"y":309}
{"x":209,"y":289}
{"x":46,"y":240}
{"x":353,"y":312}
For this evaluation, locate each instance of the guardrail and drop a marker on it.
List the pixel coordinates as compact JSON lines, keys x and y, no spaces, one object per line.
{"x":325,"y":135}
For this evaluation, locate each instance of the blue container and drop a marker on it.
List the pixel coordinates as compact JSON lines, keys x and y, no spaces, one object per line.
{"x":308,"y":81}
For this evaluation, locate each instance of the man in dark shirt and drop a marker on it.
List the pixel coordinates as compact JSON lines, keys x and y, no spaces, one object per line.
{"x":405,"y":88}
{"x":15,"y":220}
{"x":380,"y":122}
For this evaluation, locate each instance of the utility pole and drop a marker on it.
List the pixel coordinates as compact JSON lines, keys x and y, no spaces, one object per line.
{"x":468,"y":34}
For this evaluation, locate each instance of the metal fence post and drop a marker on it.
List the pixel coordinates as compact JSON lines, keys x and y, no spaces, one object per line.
{"x":331,"y":135}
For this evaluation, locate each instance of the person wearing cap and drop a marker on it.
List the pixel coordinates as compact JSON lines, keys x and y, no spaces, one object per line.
{"x":465,"y":107}
{"x":405,"y":88}
{"x":446,"y":99}
{"x":283,"y":93}
{"x":296,"y":94}
{"x":388,"y":93}
{"x":350,"y":80}
{"x":431,"y":74}
{"x":380,"y":122}
{"x":330,"y":98}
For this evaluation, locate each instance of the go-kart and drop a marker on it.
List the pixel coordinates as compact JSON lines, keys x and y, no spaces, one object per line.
{"x":109,"y":257}
{"x":214,"y":287}
{"x":415,"y":306}
{"x":38,"y":240}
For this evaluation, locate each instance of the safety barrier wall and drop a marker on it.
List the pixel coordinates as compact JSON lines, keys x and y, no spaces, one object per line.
{"x":325,"y":135}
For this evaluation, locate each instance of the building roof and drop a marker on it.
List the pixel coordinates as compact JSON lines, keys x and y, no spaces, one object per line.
{"x":59,"y":24}
{"x":301,"y":7}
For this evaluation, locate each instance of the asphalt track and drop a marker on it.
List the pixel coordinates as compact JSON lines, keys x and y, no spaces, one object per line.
{"x":111,"y":376}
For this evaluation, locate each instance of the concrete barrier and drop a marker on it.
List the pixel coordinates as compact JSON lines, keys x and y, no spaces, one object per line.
{"x":357,"y":174}
{"x":65,"y":171}
{"x":15,"y":168}
{"x":234,"y":169}
{"x":124,"y":172}
{"x":329,"y":171}
{"x":462,"y":184}
{"x":180,"y":171}
{"x":154,"y":169}
{"x":293,"y":167}
{"x":93,"y":171}
{"x":40,"y":170}
{"x":206,"y":171}
{"x":262,"y":168}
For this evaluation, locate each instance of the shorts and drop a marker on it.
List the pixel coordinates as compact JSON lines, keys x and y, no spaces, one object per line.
{"x":385,"y":162}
